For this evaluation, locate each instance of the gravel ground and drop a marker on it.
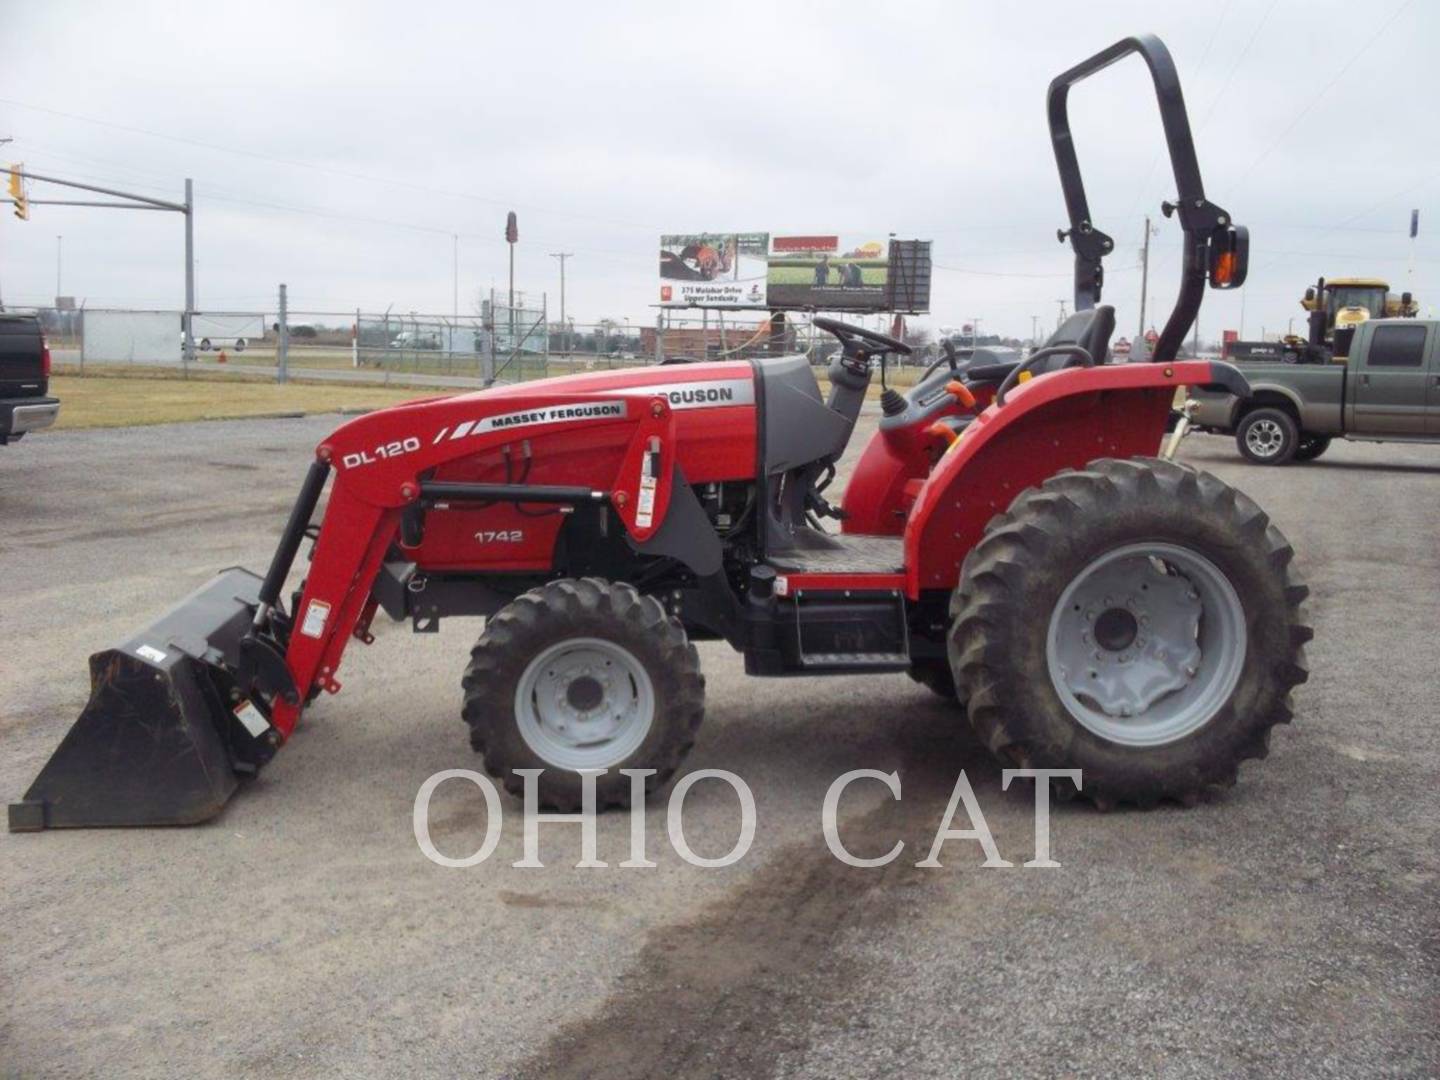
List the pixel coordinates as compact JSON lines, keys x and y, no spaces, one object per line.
{"x":1288,"y":927}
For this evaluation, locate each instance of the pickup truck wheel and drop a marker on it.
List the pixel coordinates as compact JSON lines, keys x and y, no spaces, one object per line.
{"x":1267,"y":436}
{"x":1311,"y":447}
{"x":1138,"y":621}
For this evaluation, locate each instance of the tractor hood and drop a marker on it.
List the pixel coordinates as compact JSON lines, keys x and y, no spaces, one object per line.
{"x":686,"y":386}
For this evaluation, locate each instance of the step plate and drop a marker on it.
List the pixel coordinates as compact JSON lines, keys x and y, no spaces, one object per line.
{"x":899,"y":661}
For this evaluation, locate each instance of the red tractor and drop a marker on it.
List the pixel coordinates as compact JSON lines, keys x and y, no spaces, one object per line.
{"x":1008,"y":538}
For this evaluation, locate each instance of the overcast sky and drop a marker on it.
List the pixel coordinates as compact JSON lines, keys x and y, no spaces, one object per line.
{"x":337,"y":147}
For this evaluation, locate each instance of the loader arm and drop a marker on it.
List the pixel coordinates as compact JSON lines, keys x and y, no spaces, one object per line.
{"x":381,"y":465}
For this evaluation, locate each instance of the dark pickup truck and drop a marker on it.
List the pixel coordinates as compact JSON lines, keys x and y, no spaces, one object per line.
{"x":24,"y":378}
{"x":1387,"y":390}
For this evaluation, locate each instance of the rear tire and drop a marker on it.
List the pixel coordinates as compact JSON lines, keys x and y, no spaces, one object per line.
{"x":583,"y":674}
{"x":1194,"y":656}
{"x":1267,"y":436}
{"x":1311,"y":447}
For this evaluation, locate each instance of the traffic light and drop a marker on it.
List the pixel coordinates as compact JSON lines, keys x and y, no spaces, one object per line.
{"x":17,"y":192}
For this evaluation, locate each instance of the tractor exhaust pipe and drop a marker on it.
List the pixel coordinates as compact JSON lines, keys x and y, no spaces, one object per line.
{"x":171,"y":725}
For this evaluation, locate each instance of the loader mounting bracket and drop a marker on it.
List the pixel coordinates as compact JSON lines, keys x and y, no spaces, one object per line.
{"x":263,"y":668}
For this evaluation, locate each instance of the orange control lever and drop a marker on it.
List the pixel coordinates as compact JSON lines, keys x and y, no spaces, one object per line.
{"x":961,"y":393}
{"x":944,"y":431}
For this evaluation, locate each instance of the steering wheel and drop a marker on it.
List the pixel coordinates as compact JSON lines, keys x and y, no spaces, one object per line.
{"x":1079,"y":357}
{"x":846,"y":333}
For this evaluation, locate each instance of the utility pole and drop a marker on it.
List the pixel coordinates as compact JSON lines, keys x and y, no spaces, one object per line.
{"x":282,"y":348}
{"x":1034,"y":331}
{"x":189,"y":355}
{"x":58,"y":248}
{"x":564,"y":326}
{"x":1061,"y":317}
{"x":1144,"y":278}
{"x":3,"y":141}
{"x":455,"y":282}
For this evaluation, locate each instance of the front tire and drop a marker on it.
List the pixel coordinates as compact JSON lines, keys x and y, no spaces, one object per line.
{"x":583,"y":674}
{"x":1137,"y":620}
{"x":1268,"y":436}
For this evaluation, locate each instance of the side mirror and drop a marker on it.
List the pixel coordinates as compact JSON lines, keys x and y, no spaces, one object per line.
{"x":1406,"y":299}
{"x":1229,"y":257}
{"x":1310,"y":295}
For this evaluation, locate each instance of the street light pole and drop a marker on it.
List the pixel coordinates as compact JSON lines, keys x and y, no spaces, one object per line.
{"x":512,"y":235}
{"x":189,"y":350}
{"x":7,"y":139}
{"x":564,"y":326}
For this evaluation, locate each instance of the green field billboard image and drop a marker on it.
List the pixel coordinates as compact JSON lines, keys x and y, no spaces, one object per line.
{"x":832,"y":273}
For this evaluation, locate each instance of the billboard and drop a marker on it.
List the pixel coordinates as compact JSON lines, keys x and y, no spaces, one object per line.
{"x":827,"y":272}
{"x":715,"y":269}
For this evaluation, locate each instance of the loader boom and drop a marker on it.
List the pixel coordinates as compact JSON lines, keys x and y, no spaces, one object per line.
{"x":381,"y":461}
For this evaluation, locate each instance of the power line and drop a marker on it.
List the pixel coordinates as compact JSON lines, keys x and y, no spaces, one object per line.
{"x":1354,"y":56}
{"x":1155,"y":161}
{"x":1367,"y":211}
{"x":331,"y":170}
{"x":1017,"y":274}
{"x":1230,"y":75}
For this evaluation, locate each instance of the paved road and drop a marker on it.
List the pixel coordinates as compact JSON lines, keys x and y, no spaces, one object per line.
{"x":1288,"y":927}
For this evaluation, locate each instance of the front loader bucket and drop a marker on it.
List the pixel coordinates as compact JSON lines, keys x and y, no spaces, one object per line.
{"x":155,"y":744}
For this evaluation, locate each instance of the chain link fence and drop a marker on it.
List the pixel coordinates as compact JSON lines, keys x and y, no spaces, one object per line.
{"x":500,"y":343}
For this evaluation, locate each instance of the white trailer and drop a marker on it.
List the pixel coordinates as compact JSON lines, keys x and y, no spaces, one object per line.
{"x":226,"y":331}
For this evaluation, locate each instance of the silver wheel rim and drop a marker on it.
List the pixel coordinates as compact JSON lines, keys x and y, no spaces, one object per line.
{"x":585,"y":703}
{"x":1146,"y":644}
{"x":1264,"y":438}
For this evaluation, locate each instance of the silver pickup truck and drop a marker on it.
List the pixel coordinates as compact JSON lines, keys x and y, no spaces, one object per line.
{"x":1388,"y":390}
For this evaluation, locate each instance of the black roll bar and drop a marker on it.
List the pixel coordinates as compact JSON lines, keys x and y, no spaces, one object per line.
{"x":1199,"y":218}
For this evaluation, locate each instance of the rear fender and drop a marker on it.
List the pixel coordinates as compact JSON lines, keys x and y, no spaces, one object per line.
{"x":1058,"y":421}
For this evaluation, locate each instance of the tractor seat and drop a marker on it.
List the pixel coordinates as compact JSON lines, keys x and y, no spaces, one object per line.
{"x":1090,"y":330}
